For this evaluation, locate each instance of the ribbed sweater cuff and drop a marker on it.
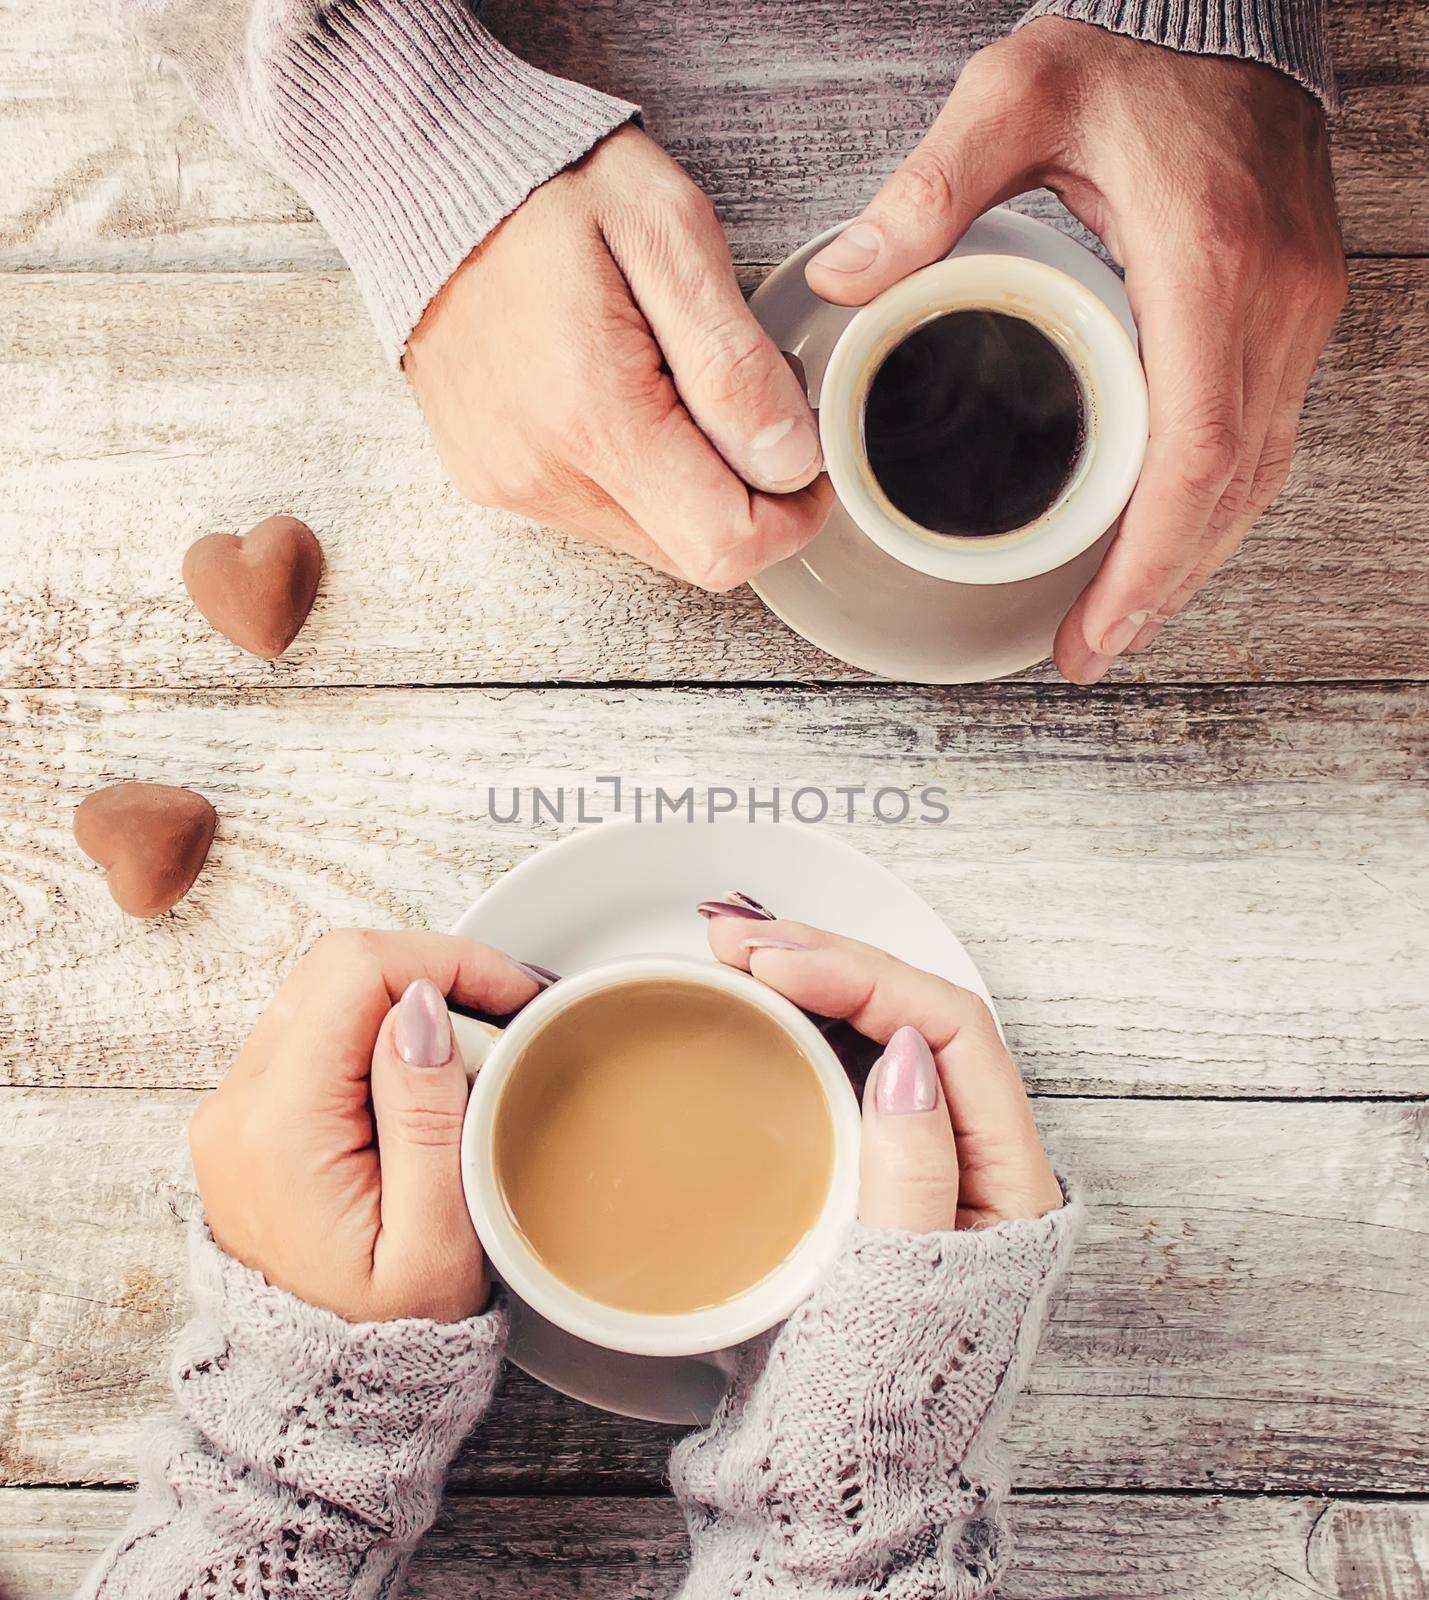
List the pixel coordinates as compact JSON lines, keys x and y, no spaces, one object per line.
{"x":408,"y":128}
{"x":1287,"y":34}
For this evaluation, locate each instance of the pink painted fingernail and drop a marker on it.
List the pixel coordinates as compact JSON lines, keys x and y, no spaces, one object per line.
{"x":537,"y":975}
{"x":907,"y":1075}
{"x":854,"y":249}
{"x":773,"y":944}
{"x":422,"y":1033}
{"x":739,"y":898}
{"x":742,"y":906}
{"x":1120,"y":634}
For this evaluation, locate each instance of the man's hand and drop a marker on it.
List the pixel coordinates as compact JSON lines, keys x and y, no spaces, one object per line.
{"x":1209,"y":181}
{"x":593,"y":364}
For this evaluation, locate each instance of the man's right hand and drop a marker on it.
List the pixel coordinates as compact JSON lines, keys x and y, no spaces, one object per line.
{"x":592,"y":364}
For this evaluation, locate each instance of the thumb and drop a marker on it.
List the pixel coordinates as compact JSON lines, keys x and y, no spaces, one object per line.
{"x":980,"y":151}
{"x":741,"y":392}
{"x":909,"y":1162}
{"x":426,"y":1244}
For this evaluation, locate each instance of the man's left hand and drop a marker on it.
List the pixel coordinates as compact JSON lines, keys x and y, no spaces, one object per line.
{"x":1209,"y":181}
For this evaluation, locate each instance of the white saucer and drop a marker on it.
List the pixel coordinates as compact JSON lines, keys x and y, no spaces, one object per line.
{"x":622,"y":889}
{"x":845,"y":595}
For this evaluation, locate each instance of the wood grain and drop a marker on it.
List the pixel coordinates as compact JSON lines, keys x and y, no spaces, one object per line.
{"x":1246,"y":1310}
{"x":1216,"y":891}
{"x":789,"y":115}
{"x":144,"y":410}
{"x":1173,"y":891}
{"x":1082,"y":1547}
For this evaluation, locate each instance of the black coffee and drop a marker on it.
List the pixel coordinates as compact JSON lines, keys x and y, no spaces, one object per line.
{"x":973,"y":424}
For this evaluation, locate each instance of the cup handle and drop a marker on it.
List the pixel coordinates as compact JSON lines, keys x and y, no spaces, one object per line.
{"x":475,"y":1040}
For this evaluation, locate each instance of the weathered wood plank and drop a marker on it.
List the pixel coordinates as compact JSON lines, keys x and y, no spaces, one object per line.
{"x":1247,"y":1310}
{"x":1083,"y":1547}
{"x":141,"y":411}
{"x":1216,"y":891}
{"x":787,"y":114}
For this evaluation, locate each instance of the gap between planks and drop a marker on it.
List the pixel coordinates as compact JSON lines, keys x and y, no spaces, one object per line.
{"x":1067,"y":1547}
{"x":189,"y":408}
{"x":1285,"y":827}
{"x":1237,"y":1316}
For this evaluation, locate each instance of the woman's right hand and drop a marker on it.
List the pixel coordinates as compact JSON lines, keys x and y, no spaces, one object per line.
{"x":593,"y":364}
{"x":949,"y":1138}
{"x":877,"y":1410}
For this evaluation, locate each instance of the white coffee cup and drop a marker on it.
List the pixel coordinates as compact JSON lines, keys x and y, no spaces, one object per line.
{"x":1096,"y":345}
{"x":495,"y":1054}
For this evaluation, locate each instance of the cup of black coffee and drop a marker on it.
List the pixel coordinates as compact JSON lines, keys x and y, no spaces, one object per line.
{"x":984,"y":420}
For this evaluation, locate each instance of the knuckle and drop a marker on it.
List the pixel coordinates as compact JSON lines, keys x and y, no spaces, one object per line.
{"x":441,"y":1291}
{"x":1301,"y":292}
{"x":431,"y":1127}
{"x":917,"y":1172}
{"x":687,"y":205}
{"x":732,"y":365}
{"x":982,"y":73}
{"x":1201,"y":574}
{"x":528,"y":481}
{"x":981,"y":1019}
{"x":515,"y":490}
{"x":618,"y":364}
{"x":1010,"y":70}
{"x":925,"y":183}
{"x":662,"y":209}
{"x":1310,"y":281}
{"x":1271,"y":475}
{"x":1156,"y":576}
{"x":341,"y":947}
{"x":1209,"y":450}
{"x":719,"y":572}
{"x":343,"y":955}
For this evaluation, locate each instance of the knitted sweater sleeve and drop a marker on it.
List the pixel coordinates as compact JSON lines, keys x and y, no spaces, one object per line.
{"x":409,"y":130}
{"x":1286,"y":34}
{"x":858,"y":1451}
{"x":309,"y":1453}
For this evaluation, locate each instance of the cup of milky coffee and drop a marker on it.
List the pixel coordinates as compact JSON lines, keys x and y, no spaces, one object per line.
{"x":660,"y":1156}
{"x":984,"y":420}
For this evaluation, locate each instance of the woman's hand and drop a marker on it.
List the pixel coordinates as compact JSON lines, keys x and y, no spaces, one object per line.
{"x":593,"y":364}
{"x":327,"y":1159}
{"x":948,"y":1135}
{"x":1209,"y":180}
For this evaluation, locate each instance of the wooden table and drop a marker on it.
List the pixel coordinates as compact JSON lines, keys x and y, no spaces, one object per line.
{"x":1200,"y":891}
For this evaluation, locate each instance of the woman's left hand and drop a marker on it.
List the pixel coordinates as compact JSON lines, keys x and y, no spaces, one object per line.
{"x":328,"y":1158}
{"x":948,"y":1134}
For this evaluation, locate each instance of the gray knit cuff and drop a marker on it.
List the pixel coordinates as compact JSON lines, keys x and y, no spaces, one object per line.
{"x":409,"y":129}
{"x":365,"y":1416}
{"x":412,"y":132}
{"x":1286,"y":34}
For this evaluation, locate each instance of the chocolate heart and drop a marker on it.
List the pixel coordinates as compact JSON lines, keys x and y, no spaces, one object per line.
{"x":151,"y":837}
{"x":256,"y":590}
